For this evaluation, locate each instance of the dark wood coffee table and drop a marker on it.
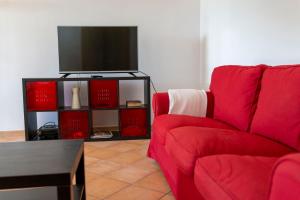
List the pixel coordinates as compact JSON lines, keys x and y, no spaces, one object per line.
{"x":43,"y":193}
{"x":43,"y":164}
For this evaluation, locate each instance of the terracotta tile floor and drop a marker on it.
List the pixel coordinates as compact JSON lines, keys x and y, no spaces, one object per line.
{"x":117,"y":170}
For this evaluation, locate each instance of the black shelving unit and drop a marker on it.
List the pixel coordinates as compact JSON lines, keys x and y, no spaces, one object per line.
{"x":47,"y":95}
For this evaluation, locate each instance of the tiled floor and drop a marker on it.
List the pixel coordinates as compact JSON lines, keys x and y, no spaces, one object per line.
{"x":118,"y":170}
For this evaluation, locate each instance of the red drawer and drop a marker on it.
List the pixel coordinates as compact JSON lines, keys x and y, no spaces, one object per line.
{"x":74,"y":124}
{"x":41,"y":95}
{"x":104,"y":93}
{"x":133,"y":122}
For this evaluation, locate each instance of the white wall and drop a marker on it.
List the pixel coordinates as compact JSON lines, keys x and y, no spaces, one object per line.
{"x":249,"y":32}
{"x":168,"y":45}
{"x":232,"y":32}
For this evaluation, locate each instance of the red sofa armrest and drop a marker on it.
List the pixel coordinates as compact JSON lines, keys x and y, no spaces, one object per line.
{"x":160,"y":104}
{"x":285,"y":183}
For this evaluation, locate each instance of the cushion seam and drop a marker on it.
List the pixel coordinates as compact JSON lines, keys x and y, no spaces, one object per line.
{"x":224,"y":190}
{"x":193,"y":161}
{"x":174,"y":138}
{"x":255,"y":101}
{"x":274,"y":172}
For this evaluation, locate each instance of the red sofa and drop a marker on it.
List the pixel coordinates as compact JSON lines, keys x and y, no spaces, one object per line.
{"x":247,"y":146}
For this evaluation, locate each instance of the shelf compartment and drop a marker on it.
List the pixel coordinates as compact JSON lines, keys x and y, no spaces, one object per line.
{"x":133,"y":122}
{"x":41,"y":95}
{"x":36,"y":120}
{"x":65,"y":93}
{"x":114,"y":130}
{"x":131,"y":90}
{"x":74,"y":124}
{"x":105,"y":121}
{"x":103,"y":94}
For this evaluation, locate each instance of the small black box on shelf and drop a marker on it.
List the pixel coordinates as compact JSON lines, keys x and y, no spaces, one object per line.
{"x":46,"y":132}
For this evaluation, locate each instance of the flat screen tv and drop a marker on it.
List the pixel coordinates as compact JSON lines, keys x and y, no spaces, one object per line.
{"x":97,"y":49}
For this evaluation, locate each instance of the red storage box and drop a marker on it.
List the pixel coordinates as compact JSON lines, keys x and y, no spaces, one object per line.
{"x":104,"y":93}
{"x":41,"y":95}
{"x":133,"y":122}
{"x":74,"y":124}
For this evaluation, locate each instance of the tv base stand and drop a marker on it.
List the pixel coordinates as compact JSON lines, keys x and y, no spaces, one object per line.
{"x":96,"y":76}
{"x":65,"y":75}
{"x":132,"y":74}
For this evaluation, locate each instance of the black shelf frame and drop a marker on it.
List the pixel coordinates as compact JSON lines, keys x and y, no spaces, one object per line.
{"x":30,"y":116}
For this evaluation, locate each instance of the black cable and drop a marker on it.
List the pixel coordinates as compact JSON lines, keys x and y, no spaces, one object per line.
{"x":152,"y":84}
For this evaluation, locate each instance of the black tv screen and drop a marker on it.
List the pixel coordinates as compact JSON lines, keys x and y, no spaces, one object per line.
{"x":97,"y":49}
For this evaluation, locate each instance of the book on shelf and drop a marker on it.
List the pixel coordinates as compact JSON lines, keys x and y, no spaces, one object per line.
{"x":134,"y":103}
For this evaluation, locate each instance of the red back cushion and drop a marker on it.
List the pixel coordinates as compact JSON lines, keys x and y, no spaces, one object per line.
{"x":235,"y":90}
{"x":278,"y":109}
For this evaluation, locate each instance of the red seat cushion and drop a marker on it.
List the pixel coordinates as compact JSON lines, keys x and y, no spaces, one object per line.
{"x":186,"y":144}
{"x":163,"y":123}
{"x":235,"y":90}
{"x":278,"y":109}
{"x":286,"y":178}
{"x":234,"y":177}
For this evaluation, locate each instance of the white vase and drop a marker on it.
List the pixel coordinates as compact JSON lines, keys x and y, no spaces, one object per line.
{"x":75,"y":98}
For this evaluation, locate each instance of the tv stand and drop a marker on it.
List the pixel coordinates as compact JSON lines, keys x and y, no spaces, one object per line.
{"x":65,"y":75}
{"x":105,"y":97}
